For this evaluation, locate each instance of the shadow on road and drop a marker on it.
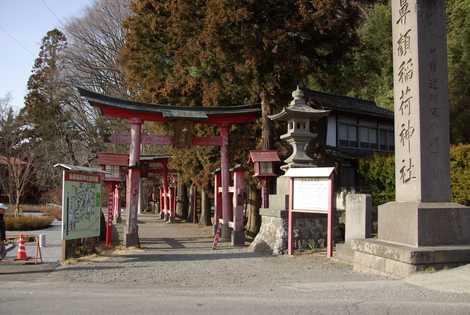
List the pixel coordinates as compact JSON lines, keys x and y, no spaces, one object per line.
{"x":189,"y":256}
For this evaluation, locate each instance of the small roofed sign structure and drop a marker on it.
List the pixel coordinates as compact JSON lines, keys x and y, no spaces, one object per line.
{"x":264,"y":168}
{"x":182,"y":119}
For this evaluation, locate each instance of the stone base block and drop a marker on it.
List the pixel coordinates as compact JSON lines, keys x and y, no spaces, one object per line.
{"x":131,"y":239}
{"x":226,"y":233}
{"x":399,"y":260}
{"x":171,"y":220}
{"x":344,"y":252}
{"x":424,"y":224}
{"x":238,"y":238}
{"x":272,"y":236}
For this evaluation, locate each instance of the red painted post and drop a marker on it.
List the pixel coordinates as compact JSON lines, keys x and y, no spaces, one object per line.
{"x":109,"y":221}
{"x":224,"y":169}
{"x":117,"y":204}
{"x":217,"y":201}
{"x":166,"y":203}
{"x":162,"y":196}
{"x":330,"y":232}
{"x":290,"y":219}
{"x":238,"y":235}
{"x":131,"y":237}
{"x":173,"y":203}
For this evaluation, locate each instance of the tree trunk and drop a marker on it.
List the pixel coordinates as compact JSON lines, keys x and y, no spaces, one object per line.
{"x":205,"y":218}
{"x":17,"y":203}
{"x":191,"y":204}
{"x":182,"y":200}
{"x":70,"y":149}
{"x":266,"y":133}
{"x":254,"y":220}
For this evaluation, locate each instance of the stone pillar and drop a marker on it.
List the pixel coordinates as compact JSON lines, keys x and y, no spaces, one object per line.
{"x":358,"y":216}
{"x":422,"y":214}
{"x":225,"y":180}
{"x":131,"y":237}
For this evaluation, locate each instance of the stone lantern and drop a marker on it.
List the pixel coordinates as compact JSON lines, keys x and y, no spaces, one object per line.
{"x":298,"y":116}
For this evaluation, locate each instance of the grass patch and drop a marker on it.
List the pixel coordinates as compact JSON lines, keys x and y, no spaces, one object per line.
{"x":55,"y":212}
{"x":27,"y":222}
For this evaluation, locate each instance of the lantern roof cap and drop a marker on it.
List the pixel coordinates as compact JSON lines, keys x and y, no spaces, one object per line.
{"x":298,"y":108}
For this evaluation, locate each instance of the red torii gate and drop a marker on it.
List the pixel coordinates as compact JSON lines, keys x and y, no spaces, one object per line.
{"x":136,"y":113}
{"x":116,"y":165}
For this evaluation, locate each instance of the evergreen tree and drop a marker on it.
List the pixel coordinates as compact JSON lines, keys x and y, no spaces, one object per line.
{"x":51,"y":129}
{"x":220,"y":53}
{"x":458,"y":12}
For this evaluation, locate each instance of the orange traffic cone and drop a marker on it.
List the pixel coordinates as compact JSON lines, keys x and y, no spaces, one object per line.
{"x":21,"y":254}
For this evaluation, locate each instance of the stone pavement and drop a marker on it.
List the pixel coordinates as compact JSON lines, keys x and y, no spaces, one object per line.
{"x":177,"y":272}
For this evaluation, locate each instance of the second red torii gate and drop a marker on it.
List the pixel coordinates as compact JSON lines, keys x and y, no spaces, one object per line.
{"x":136,"y":113}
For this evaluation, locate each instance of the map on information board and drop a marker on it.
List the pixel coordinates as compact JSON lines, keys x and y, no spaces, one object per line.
{"x":81,"y":206}
{"x":311,"y":194}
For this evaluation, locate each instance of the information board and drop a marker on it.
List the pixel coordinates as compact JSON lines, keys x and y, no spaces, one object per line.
{"x":311,"y":194}
{"x":81,"y":205}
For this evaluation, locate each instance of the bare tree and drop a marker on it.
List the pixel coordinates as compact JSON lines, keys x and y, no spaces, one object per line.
{"x":94,"y":44}
{"x":16,"y":154}
{"x":91,"y":60}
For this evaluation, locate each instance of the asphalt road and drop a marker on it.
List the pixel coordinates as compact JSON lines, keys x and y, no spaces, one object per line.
{"x":177,"y":273}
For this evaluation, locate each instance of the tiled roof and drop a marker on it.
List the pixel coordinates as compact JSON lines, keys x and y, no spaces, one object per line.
{"x":168,"y":111}
{"x":264,"y":156}
{"x":345,"y":104}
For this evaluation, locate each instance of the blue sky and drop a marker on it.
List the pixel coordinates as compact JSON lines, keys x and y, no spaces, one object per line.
{"x":23,"y":23}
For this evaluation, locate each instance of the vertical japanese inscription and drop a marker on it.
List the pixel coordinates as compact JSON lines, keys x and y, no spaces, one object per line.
{"x":405,"y":72}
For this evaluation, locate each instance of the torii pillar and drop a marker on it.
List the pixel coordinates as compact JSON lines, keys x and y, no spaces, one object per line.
{"x":225,"y":179}
{"x":131,"y":235}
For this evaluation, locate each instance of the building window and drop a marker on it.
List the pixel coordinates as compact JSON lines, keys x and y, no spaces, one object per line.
{"x":386,"y":140}
{"x":368,"y":137}
{"x":365,"y":134}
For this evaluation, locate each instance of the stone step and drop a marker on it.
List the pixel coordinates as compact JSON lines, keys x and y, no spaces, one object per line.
{"x":344,"y":252}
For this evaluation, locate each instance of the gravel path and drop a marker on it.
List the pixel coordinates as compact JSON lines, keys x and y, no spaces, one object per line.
{"x":180,"y":255}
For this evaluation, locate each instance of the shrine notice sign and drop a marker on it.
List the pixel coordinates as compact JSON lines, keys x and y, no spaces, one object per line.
{"x":81,"y":205}
{"x":310,"y":194}
{"x":310,"y":191}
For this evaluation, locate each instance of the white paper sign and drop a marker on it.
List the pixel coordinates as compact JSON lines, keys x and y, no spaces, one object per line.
{"x":311,"y":194}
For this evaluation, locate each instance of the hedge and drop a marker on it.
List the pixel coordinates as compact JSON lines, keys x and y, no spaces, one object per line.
{"x":378,"y":175}
{"x":27,"y":222}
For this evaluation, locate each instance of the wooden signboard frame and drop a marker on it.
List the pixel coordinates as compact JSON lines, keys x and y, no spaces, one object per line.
{"x":317,"y":183}
{"x":81,"y":189}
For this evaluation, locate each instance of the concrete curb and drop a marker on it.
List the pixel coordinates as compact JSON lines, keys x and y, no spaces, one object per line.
{"x":18,"y":268}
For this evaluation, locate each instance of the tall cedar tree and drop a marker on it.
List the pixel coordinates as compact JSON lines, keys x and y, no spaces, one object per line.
{"x":51,"y":129}
{"x":219,"y":53}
